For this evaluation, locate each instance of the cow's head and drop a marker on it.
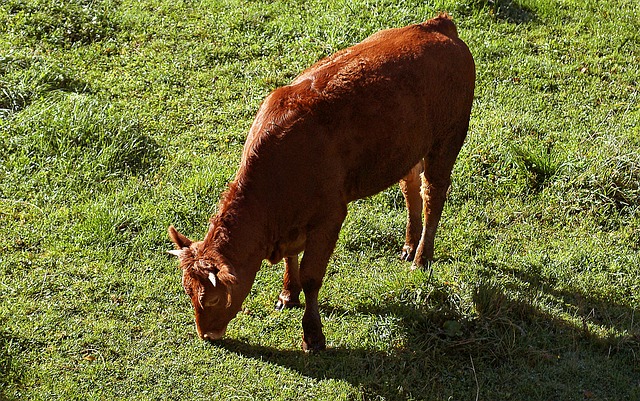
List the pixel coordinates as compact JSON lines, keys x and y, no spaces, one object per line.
{"x":210,"y":283}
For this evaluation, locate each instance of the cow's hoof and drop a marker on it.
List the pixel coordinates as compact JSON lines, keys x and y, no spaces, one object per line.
{"x":424,"y":265}
{"x":314,"y":345}
{"x":408,"y":253}
{"x":283,"y":304}
{"x":287,"y":301}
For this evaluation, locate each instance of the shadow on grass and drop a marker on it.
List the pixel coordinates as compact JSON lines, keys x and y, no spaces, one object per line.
{"x":588,"y":308}
{"x":515,"y":351}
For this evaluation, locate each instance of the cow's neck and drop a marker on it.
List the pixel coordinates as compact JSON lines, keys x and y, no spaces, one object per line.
{"x":239,"y":232}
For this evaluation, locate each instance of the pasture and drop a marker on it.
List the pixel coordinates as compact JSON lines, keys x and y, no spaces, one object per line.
{"x":120,"y":117}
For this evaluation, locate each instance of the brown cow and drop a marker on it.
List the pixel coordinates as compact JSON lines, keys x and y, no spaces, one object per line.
{"x":393,"y":108}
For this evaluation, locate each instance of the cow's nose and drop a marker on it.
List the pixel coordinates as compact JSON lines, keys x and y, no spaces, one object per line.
{"x":214,"y":335}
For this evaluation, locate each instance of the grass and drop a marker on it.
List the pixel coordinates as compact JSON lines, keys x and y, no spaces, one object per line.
{"x":118,"y":118}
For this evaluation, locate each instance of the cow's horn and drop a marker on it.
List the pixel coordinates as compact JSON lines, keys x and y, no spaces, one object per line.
{"x":213,"y":279}
{"x":176,"y":252}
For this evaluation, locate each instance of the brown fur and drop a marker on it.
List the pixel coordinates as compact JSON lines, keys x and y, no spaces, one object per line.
{"x":393,"y":108}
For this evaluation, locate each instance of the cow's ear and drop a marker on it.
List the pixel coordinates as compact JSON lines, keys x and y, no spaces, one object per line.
{"x":180,"y":240}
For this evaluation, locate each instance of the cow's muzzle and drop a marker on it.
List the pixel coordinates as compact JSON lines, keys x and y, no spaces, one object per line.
{"x":213,"y":335}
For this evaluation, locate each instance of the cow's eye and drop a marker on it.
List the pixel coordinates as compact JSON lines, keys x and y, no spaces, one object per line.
{"x":211,"y":301}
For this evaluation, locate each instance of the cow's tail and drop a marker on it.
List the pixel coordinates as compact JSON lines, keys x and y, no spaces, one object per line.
{"x":443,"y":24}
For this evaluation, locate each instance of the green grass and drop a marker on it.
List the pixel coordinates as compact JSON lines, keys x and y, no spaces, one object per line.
{"x":119,"y":117}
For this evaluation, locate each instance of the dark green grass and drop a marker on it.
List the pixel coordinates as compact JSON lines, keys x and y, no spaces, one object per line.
{"x":118,"y":118}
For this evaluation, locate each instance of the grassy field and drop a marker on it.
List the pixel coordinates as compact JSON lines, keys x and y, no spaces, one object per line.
{"x":120,"y":117}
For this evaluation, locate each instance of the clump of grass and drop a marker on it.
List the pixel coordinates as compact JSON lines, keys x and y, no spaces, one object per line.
{"x":60,"y":23}
{"x":78,"y":140}
{"x":537,"y":163}
{"x":502,"y":10}
{"x":604,"y":180}
{"x":25,"y":79}
{"x":489,"y":299}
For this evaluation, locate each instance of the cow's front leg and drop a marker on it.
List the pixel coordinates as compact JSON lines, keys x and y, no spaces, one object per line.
{"x":290,"y":295}
{"x":320,"y":245}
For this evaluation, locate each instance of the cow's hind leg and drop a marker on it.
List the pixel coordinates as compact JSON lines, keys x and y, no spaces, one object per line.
{"x":436,"y":179}
{"x":434,"y":193}
{"x":290,"y":295}
{"x":410,"y":187}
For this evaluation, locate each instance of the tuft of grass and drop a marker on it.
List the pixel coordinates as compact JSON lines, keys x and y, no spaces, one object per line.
{"x":57,"y":23}
{"x":75,"y":141}
{"x":25,"y":79}
{"x":537,"y":164}
{"x":610,"y":184}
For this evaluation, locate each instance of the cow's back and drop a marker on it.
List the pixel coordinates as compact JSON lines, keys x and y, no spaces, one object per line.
{"x":356,"y":122}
